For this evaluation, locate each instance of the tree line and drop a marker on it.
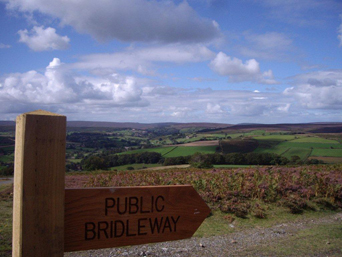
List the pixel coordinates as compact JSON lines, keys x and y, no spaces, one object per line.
{"x":199,"y":160}
{"x":103,"y":162}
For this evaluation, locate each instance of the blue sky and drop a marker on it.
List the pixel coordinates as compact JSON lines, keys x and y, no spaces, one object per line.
{"x":239,"y":61}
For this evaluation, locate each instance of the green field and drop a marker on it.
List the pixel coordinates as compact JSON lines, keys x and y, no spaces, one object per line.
{"x":325,"y":147}
{"x":175,"y":151}
{"x":315,"y":140}
{"x":276,"y":137}
{"x":190,"y":150}
{"x":273,"y":148}
{"x":161,"y":150}
{"x":7,"y":158}
{"x":301,"y":145}
{"x":256,"y":133}
{"x":310,"y":145}
{"x":327,"y":152}
{"x":303,"y":153}
{"x":8,"y":148}
{"x":189,"y":140}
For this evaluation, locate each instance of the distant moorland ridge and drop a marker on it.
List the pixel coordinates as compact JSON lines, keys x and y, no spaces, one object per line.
{"x":319,"y":127}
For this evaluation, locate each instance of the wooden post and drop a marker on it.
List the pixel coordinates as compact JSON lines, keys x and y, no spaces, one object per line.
{"x":38,"y":207}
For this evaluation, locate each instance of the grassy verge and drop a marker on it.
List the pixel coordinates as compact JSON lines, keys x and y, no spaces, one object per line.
{"x":220,"y":223}
{"x":317,"y":240}
{"x":6,"y":204}
{"x":3,"y":187}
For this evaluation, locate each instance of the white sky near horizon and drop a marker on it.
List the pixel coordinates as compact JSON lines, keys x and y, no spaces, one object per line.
{"x":238,"y":61}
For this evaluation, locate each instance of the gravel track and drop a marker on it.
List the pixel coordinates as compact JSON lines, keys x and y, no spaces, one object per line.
{"x":233,"y":244}
{"x":4,"y":181}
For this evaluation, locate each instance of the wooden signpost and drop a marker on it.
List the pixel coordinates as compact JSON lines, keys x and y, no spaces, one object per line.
{"x":49,"y":220}
{"x":108,"y":217}
{"x":38,"y":204}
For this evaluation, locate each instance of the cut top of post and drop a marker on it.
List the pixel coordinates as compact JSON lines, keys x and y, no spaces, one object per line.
{"x":42,"y":112}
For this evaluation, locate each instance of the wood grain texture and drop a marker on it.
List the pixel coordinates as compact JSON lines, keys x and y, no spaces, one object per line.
{"x":111,"y":217}
{"x":38,"y":207}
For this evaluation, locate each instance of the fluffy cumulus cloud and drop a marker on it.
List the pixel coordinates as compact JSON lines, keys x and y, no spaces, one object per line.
{"x":59,"y":86}
{"x":180,"y":112}
{"x":114,"y":97}
{"x":314,"y":97}
{"x":237,"y":71}
{"x":161,"y":21}
{"x":40,"y":39}
{"x":285,"y":108}
{"x":142,"y":60}
{"x":214,"y":108}
{"x":318,"y":90}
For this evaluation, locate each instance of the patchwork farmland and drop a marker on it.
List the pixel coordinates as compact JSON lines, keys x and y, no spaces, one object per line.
{"x":299,"y":143}
{"x":241,"y":196}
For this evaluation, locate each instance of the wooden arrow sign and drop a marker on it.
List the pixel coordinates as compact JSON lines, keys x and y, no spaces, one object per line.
{"x":111,"y":217}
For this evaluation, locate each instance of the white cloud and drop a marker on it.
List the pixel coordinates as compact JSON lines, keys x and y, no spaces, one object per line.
{"x":142,"y":60}
{"x":284,"y":108}
{"x":175,"y":53}
{"x":270,"y":40}
{"x":179,"y":112}
{"x":214,"y":108}
{"x":320,"y":78}
{"x":230,"y":106}
{"x":127,"y":20}
{"x":314,"y":97}
{"x":113,"y":97}
{"x":248,"y":109}
{"x":339,"y":36}
{"x":239,"y":71}
{"x":159,"y":91}
{"x":4,"y":46}
{"x":60,"y":87}
{"x":40,"y":39}
{"x":270,"y":45}
{"x":318,"y":90}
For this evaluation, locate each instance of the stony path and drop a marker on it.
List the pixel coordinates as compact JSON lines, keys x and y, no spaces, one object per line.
{"x":233,"y":244}
{"x":4,"y":181}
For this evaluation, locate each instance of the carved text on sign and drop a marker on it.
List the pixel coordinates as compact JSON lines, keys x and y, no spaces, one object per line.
{"x":108,"y":217}
{"x":123,"y":227}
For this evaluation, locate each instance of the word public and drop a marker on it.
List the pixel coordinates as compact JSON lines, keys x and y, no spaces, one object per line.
{"x":132,"y":216}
